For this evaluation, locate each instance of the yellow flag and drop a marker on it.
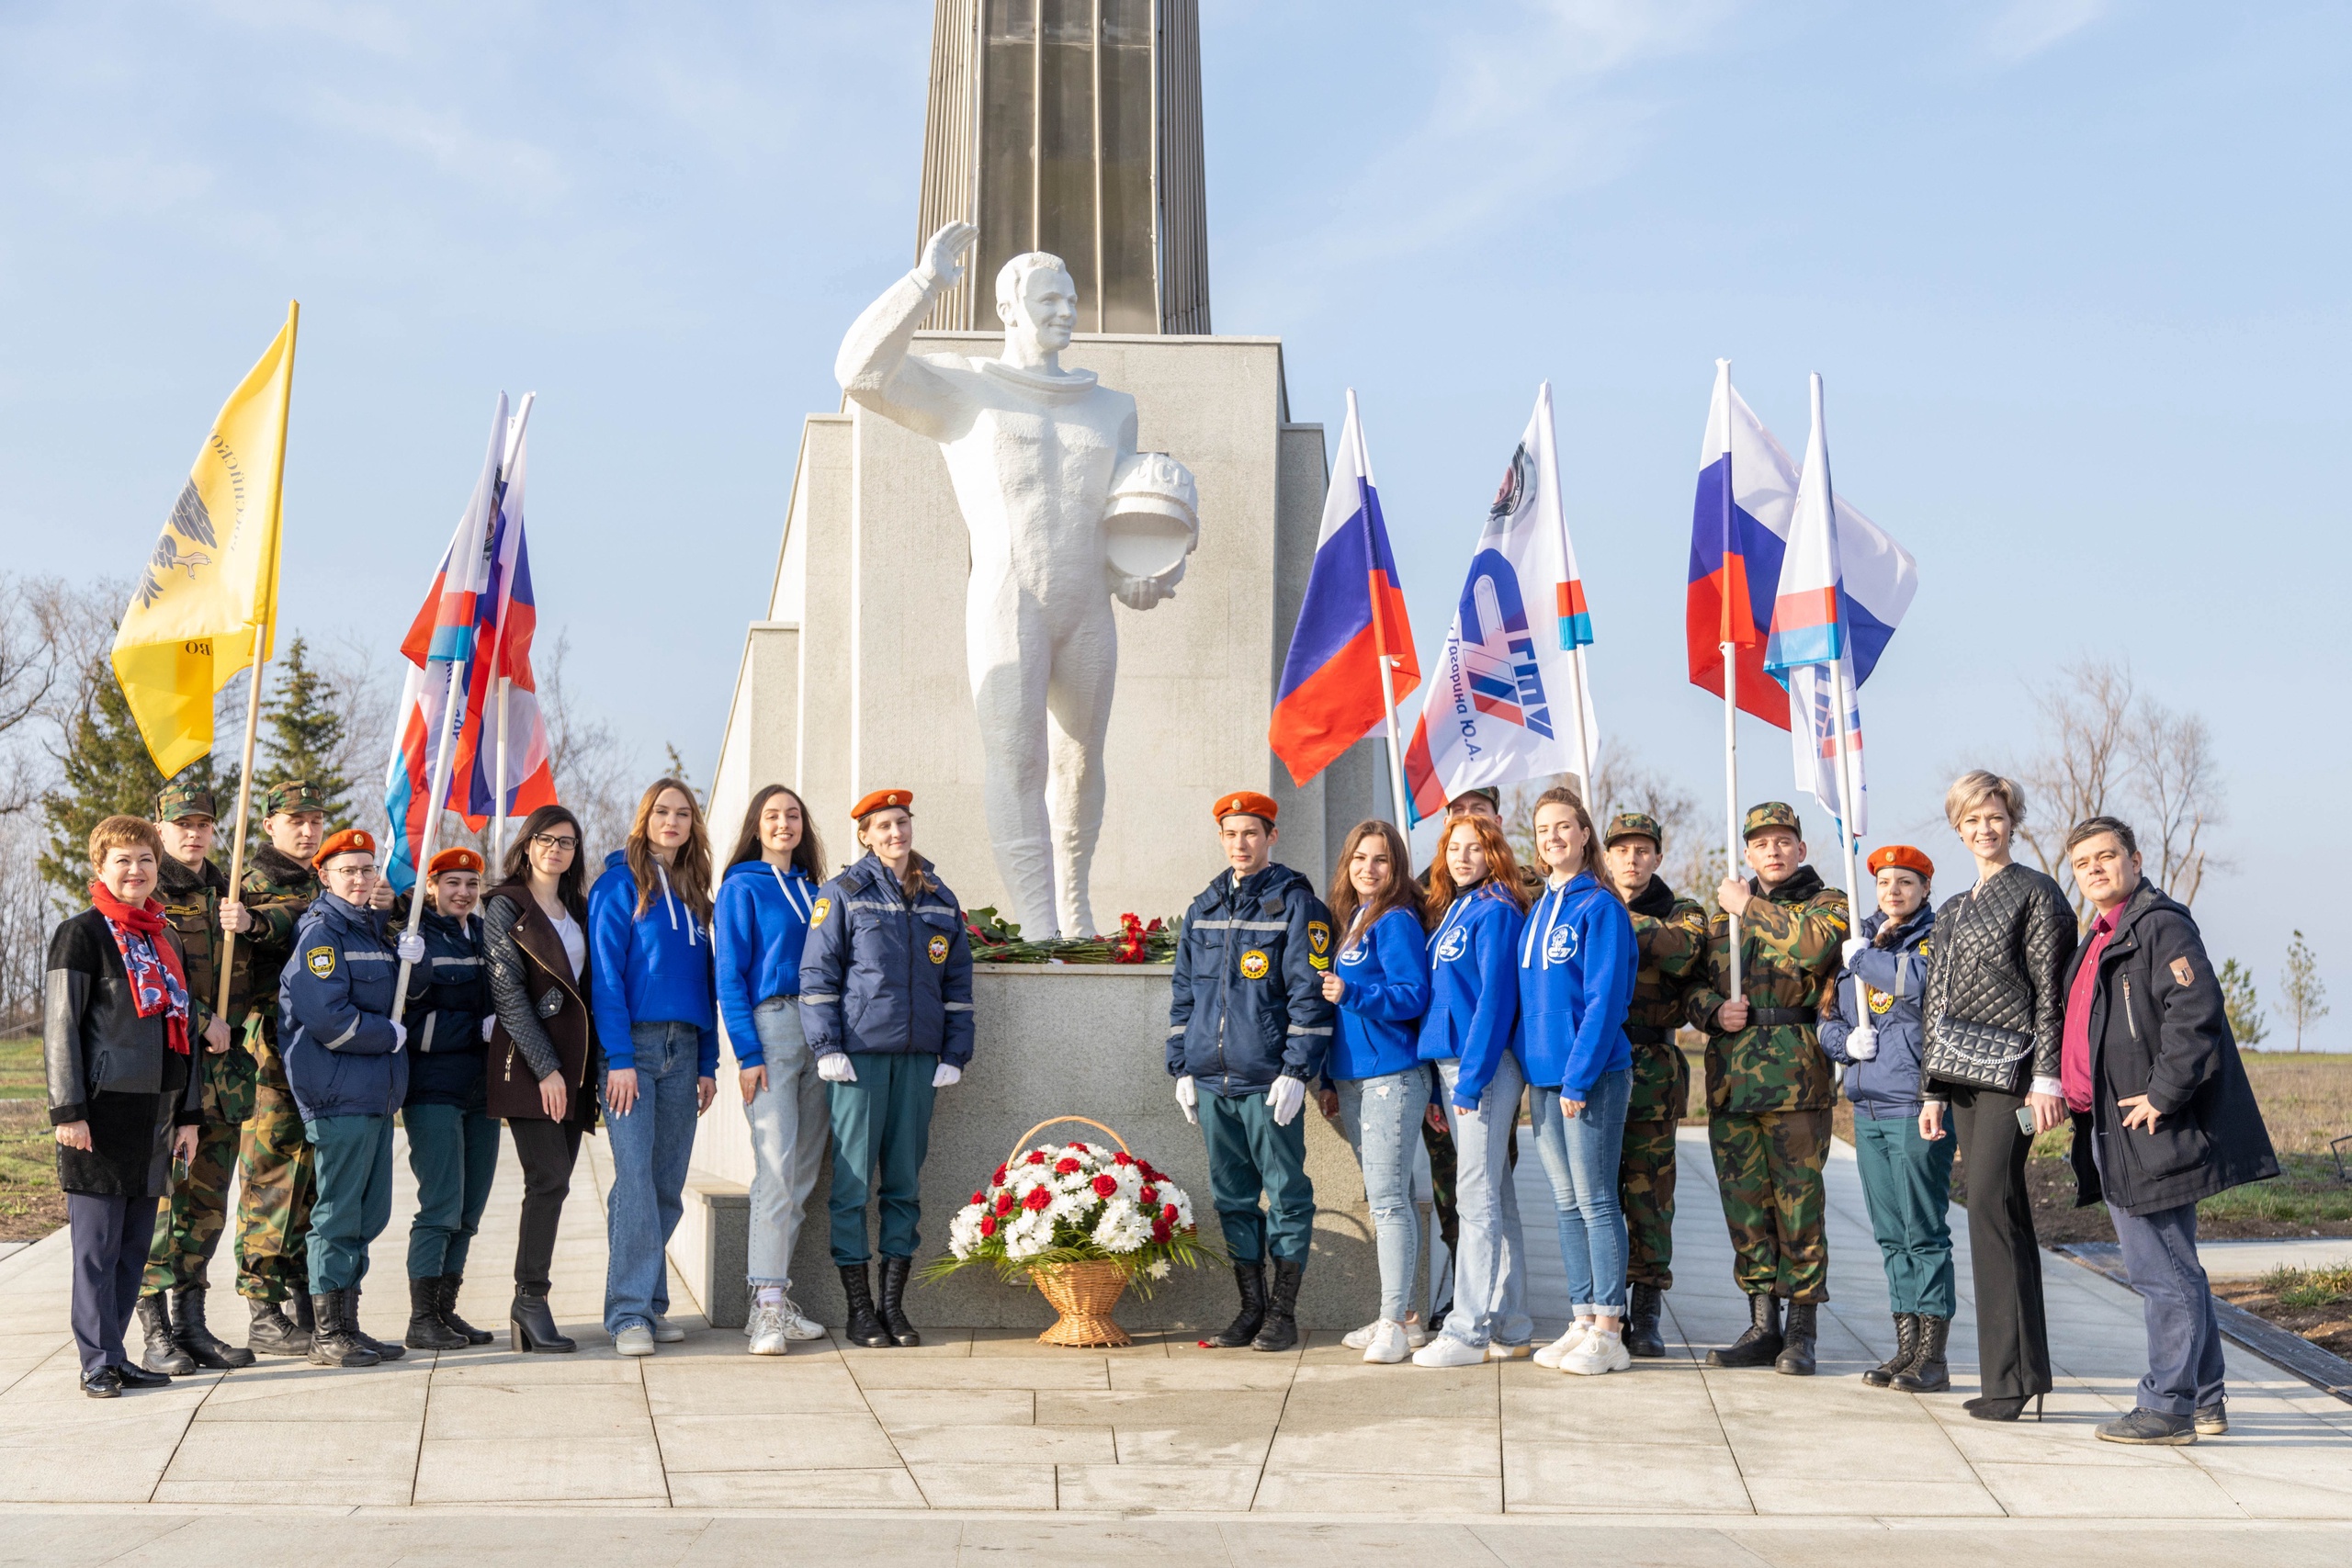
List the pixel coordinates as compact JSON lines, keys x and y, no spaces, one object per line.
{"x":209,"y":588}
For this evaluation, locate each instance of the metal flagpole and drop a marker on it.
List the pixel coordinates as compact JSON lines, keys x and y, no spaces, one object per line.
{"x":1731,"y":697}
{"x":498,"y":820}
{"x":1576,"y":655}
{"x":1397,"y":801}
{"x":454,"y":704}
{"x":1848,"y":796}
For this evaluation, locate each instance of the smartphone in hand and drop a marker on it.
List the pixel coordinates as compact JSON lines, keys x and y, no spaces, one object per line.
{"x":2025,"y":1120}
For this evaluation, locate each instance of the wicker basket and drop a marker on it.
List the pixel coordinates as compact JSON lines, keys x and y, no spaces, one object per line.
{"x":1086,"y":1293}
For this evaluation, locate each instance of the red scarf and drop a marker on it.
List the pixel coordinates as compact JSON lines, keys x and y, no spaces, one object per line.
{"x":158,"y":983}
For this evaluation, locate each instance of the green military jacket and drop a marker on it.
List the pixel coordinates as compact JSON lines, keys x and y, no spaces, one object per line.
{"x":1672,"y":934}
{"x":1790,"y":942}
{"x":277,"y":888}
{"x":192,"y":904}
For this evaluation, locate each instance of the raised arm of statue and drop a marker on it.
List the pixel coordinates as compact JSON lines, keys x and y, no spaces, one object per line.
{"x":873,"y":366}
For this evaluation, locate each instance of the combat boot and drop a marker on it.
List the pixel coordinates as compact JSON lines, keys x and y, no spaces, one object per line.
{"x":1795,"y":1359}
{"x":298,"y":1307}
{"x":425,"y":1329}
{"x":274,"y":1334}
{"x":865,"y":1325}
{"x":1929,"y":1373}
{"x":190,"y":1333}
{"x":1250,"y":1280}
{"x":333,"y":1342}
{"x":1907,"y":1345}
{"x":903,"y":1333}
{"x":446,"y":1306}
{"x":1760,"y":1344}
{"x":163,"y":1353}
{"x":1643,"y":1341}
{"x":1280,"y":1331}
{"x":384,"y":1351}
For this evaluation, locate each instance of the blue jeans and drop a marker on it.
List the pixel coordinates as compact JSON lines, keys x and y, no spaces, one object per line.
{"x":1489,"y":1270}
{"x":1580,"y":1155}
{"x":2185,"y":1363}
{"x":788,"y":1121}
{"x":650,"y":1147}
{"x":1381,"y":1119}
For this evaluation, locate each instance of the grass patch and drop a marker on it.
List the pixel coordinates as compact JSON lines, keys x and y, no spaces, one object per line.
{"x":2309,"y":1287}
{"x":30,"y":1204}
{"x":2314,"y":1302}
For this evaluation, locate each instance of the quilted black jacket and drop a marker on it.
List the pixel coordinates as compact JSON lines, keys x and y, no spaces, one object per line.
{"x":1998,"y":957}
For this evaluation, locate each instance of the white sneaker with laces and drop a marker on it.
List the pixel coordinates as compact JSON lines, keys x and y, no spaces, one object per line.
{"x":798,"y":1325}
{"x":1360,"y":1338}
{"x":1550,"y":1354}
{"x":634,"y":1340}
{"x":767,"y":1332}
{"x":665,"y":1332}
{"x":1445,"y":1350}
{"x":1498,"y":1351}
{"x":1387,"y":1346}
{"x":1602,"y":1352}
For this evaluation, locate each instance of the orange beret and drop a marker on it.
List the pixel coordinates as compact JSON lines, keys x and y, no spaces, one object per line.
{"x":1246,"y":802}
{"x":881,"y":800}
{"x":1903,"y":855}
{"x":350,"y":840}
{"x":457,"y":859}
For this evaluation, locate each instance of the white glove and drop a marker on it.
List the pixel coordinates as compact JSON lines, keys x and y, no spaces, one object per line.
{"x":1862,"y":1043}
{"x":1854,"y":944}
{"x":411,"y":947}
{"x":400,"y":1035}
{"x":1188,"y":1097}
{"x":1287,"y":1095}
{"x":941,"y":1075}
{"x":837,"y":1068}
{"x":488,"y":1026}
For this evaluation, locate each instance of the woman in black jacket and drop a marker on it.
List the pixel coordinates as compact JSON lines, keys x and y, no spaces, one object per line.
{"x":120,"y":1049}
{"x":1994,"y":1006}
{"x":452,"y":1137}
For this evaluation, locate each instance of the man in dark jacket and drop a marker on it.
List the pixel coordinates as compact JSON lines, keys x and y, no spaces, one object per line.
{"x":1249,"y":1024}
{"x":2163,"y":1116}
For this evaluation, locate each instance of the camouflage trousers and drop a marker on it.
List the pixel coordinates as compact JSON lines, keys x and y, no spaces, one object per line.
{"x":189,"y":1234}
{"x":274,"y":1211}
{"x":1645,"y":1192}
{"x":1768,"y":1167}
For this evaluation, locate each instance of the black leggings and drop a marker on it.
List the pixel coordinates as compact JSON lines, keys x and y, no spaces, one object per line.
{"x":548,"y":1150}
{"x":2012,"y":1330}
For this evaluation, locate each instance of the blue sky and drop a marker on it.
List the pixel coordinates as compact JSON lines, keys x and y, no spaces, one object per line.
{"x":2073,"y":271}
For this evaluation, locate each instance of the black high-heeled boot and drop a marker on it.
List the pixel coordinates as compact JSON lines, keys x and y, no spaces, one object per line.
{"x":865,"y":1325}
{"x":2000,"y":1408}
{"x":1760,"y":1344}
{"x":530,"y":1327}
{"x":1929,"y":1373}
{"x":1249,"y":1279}
{"x":903,"y":1334}
{"x":1907,"y":1345}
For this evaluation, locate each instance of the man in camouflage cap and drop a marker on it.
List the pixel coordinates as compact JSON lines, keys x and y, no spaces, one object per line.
{"x":274,"y":1207}
{"x":1671,"y":932}
{"x":1769,"y":1085}
{"x":195,"y":892}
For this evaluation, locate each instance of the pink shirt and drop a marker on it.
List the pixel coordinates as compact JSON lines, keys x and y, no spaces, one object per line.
{"x":2074,"y":1039}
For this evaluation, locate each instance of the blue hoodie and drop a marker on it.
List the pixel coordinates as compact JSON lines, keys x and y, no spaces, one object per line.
{"x":1387,"y":975}
{"x":1474,"y":996}
{"x":648,"y":968}
{"x":760,"y":923}
{"x":1577,"y":961}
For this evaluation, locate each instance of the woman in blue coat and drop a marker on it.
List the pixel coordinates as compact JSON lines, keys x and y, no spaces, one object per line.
{"x":1380,"y":1088}
{"x":764,"y":902}
{"x":885,"y":1005}
{"x":1576,"y":962}
{"x":649,"y":935}
{"x":1474,"y":1007}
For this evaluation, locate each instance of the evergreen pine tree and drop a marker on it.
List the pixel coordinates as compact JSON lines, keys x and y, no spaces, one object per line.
{"x":107,"y":772}
{"x":302,"y":734}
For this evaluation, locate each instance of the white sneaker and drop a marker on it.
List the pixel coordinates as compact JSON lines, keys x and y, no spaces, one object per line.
{"x":766,"y":1326}
{"x":1549,"y":1357}
{"x":1445,"y":1350}
{"x":798,"y":1325}
{"x":1417,"y":1334}
{"x":665,"y":1332}
{"x":1600,"y":1352}
{"x":1498,"y":1351}
{"x":1362,"y":1339}
{"x":634,"y":1340}
{"x":1387,"y":1346}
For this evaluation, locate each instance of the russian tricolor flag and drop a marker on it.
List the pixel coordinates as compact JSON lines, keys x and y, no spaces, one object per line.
{"x":1352,"y":619}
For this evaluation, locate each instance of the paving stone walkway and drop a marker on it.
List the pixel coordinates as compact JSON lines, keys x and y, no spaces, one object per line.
{"x":982,"y":1422}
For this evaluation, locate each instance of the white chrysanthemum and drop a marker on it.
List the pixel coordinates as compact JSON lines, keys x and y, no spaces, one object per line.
{"x":964,"y":1230}
{"x":1028,"y":1235}
{"x":1130,"y":1180}
{"x":1122,"y":1227}
{"x":1160,"y":1269}
{"x":1074,"y":1207}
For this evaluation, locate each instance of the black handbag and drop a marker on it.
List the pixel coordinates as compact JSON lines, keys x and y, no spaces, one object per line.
{"x":1978,"y":1056}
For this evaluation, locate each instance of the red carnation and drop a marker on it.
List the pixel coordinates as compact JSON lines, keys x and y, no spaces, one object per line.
{"x":1004,"y":1202}
{"x":1123,"y":1157}
{"x":1038,"y":1198}
{"x":1105,"y":1185}
{"x":1148,"y":1196}
{"x":988,"y":1224}
{"x":1064,"y":1165}
{"x":1036,"y":1156}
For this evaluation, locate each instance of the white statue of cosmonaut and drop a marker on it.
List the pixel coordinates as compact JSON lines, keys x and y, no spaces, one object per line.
{"x":1064,"y":512}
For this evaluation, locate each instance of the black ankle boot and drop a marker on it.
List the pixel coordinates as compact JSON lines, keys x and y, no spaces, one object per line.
{"x":1251,"y":1279}
{"x":1929,"y":1373}
{"x":384,"y":1351}
{"x":333,"y":1342}
{"x":162,"y":1354}
{"x":425,"y":1329}
{"x":1795,"y":1359}
{"x":1280,"y":1331}
{"x":1907,"y":1345}
{"x":298,"y":1308}
{"x":530,"y":1327}
{"x":274,"y":1334}
{"x":190,"y":1333}
{"x":1643,"y":1341}
{"x":446,"y":1309}
{"x":1760,"y":1343}
{"x":865,"y":1325}
{"x":894,"y":1295}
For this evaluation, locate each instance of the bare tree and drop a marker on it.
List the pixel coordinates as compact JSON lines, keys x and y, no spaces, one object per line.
{"x":1693,"y":861}
{"x":2085,"y":729}
{"x":366,"y":694}
{"x":27,"y":918}
{"x":2176,"y":784}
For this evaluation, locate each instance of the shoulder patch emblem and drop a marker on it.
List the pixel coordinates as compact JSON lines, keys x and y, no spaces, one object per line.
{"x":320,"y":961}
{"x":1254,"y":964}
{"x":2183,"y":973}
{"x":817,"y":915}
{"x":939,"y":950}
{"x":1318,"y":936}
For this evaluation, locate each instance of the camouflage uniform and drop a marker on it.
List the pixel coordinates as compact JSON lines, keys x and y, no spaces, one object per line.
{"x":1673,"y":944}
{"x":273,"y":1210}
{"x":186,"y":1238}
{"x":1769,"y":1088}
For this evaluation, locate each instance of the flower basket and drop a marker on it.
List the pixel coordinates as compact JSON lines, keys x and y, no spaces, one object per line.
{"x":1082,"y":1222}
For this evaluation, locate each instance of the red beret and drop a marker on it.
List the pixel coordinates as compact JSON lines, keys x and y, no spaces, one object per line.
{"x":1903,"y":855}
{"x":351,"y":840}
{"x":882,"y":800}
{"x":457,"y":859}
{"x":1246,"y":802}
